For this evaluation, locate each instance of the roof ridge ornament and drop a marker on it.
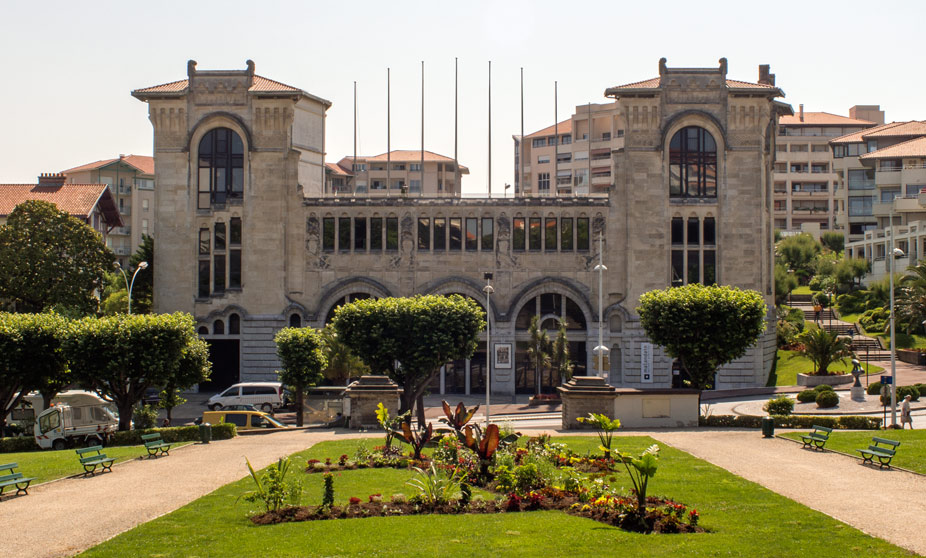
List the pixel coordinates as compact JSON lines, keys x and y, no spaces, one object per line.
{"x":723,"y":67}
{"x":190,"y":68}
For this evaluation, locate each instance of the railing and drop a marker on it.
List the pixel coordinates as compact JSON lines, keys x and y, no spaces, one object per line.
{"x":498,"y":192}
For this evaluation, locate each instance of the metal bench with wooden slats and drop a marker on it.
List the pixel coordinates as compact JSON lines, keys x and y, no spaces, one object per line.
{"x":14,"y":479}
{"x":155,"y":445}
{"x":881,"y":449}
{"x":91,"y":462}
{"x":817,"y":438}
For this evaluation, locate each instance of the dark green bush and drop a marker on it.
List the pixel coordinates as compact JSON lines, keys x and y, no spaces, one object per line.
{"x":874,"y":388}
{"x":24,"y":443}
{"x":922,"y":388}
{"x":807,"y":396}
{"x":827,"y":399}
{"x":823,"y":387}
{"x":144,"y":417}
{"x":175,"y":434}
{"x":902,"y":391}
{"x":782,"y":405}
{"x":850,"y":422}
{"x":875,"y":320}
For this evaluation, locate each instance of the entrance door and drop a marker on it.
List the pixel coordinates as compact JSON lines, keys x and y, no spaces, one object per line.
{"x":226,"y":366}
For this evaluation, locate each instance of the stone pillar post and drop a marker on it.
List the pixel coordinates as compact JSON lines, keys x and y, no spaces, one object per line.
{"x":368,"y":392}
{"x":583,"y":395}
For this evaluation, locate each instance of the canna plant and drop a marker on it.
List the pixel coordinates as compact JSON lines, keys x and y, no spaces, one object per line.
{"x":392,"y":425}
{"x":641,"y":470}
{"x":483,"y":444}
{"x":458,"y":418}
{"x":606,"y":428}
{"x":417,"y":438}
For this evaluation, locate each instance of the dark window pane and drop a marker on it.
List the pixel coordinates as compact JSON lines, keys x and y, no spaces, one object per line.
{"x":343,"y":234}
{"x":456,"y":233}
{"x":693,"y":236}
{"x":565,"y":234}
{"x":424,"y":234}
{"x":392,"y":233}
{"x":203,"y":278}
{"x":678,"y":231}
{"x":575,"y":319}
{"x":582,"y":233}
{"x":220,"y":236}
{"x":218,"y":327}
{"x":678,"y":268}
{"x":694,"y":267}
{"x":549,"y":240}
{"x":295,"y":321}
{"x":218,"y":276}
{"x":234,"y":231}
{"x":221,"y":164}
{"x":234,"y":269}
{"x":518,"y":234}
{"x":472,"y":233}
{"x":534,"y":238}
{"x":551,"y":303}
{"x":376,"y":233}
{"x":440,"y":234}
{"x":204,"y":242}
{"x":527,"y":312}
{"x":488,"y":234}
{"x":710,"y":235}
{"x":360,"y":234}
{"x":234,"y":324}
{"x":693,"y":163}
{"x":710,"y":267}
{"x":328,"y":233}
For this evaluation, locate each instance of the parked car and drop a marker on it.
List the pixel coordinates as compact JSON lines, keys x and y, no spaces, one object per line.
{"x":199,"y":420}
{"x":266,"y":396}
{"x":244,"y":420}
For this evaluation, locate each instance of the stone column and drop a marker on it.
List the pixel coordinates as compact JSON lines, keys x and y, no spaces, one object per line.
{"x":583,"y":395}
{"x":368,"y":392}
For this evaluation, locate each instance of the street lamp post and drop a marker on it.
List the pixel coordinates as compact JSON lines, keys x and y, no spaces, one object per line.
{"x":129,"y":286}
{"x":892,"y":254}
{"x":488,"y":290}
{"x":600,"y":349}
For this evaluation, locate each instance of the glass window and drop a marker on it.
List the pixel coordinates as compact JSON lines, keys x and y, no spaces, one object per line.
{"x":424,"y":233}
{"x":710,"y":267}
{"x":692,"y":163}
{"x":343,"y":234}
{"x":204,"y":268}
{"x":518,"y":236}
{"x":218,"y":327}
{"x":234,"y":324}
{"x":234,"y":231}
{"x":376,"y":233}
{"x":472,"y":233}
{"x":677,"y":231}
{"x":549,"y":240}
{"x":565,"y":234}
{"x":360,"y":234}
{"x":392,"y":233}
{"x":582,"y":237}
{"x":862,"y":179}
{"x":456,"y":233}
{"x":678,"y":268}
{"x":710,"y":233}
{"x":534,"y":238}
{"x":693,"y":236}
{"x":218,"y":276}
{"x":488,"y":234}
{"x":694,"y":271}
{"x":204,"y":242}
{"x":234,"y":269}
{"x":543,"y":181}
{"x":295,"y":321}
{"x":328,"y":233}
{"x":440,"y":233}
{"x":220,"y":236}
{"x":238,"y":419}
{"x":221,"y":167}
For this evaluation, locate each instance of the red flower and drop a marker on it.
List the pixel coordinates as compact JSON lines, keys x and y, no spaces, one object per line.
{"x":354,"y":501}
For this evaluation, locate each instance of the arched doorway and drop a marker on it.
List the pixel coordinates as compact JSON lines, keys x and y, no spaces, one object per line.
{"x":550,"y":309}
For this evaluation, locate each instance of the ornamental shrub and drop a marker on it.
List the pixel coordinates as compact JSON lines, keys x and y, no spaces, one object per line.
{"x":807,"y":396}
{"x":922,"y":388}
{"x":875,"y":320}
{"x":850,"y":422}
{"x":782,"y":405}
{"x":144,"y":417}
{"x":823,"y":387}
{"x":827,"y":399}
{"x":902,"y":391}
{"x":874,"y":388}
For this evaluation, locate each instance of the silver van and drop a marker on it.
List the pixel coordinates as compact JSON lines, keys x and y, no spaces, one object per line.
{"x":266,"y":396}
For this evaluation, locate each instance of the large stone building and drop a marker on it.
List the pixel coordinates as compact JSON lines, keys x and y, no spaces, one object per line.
{"x":249,"y":241}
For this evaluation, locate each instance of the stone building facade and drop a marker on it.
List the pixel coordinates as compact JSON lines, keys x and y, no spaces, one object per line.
{"x":249,"y":242}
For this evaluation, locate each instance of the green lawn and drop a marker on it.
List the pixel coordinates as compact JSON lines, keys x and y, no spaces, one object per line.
{"x":51,"y":465}
{"x":905,"y":341}
{"x":911,"y":454}
{"x":803,"y":290}
{"x":789,"y":364}
{"x":743,"y":518}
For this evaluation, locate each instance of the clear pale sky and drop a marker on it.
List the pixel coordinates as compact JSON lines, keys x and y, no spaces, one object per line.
{"x":68,"y":67}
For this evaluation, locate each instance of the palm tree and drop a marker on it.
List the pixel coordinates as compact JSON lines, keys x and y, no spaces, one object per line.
{"x":823,"y":348}
{"x":342,"y":363}
{"x":911,"y":308}
{"x":538,"y":349}
{"x":560,"y":353}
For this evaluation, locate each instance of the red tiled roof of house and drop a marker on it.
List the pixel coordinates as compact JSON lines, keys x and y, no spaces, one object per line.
{"x":654,"y":83}
{"x":821,"y":119}
{"x":142,"y":163}
{"x":565,"y":127}
{"x":260,"y":83}
{"x":411,"y":156}
{"x":78,"y":200}
{"x":338,"y":169}
{"x":911,"y":148}
{"x":884,"y":130}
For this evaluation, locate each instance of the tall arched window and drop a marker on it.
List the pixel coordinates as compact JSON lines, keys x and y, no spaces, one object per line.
{"x":693,"y":164}
{"x":221,"y":167}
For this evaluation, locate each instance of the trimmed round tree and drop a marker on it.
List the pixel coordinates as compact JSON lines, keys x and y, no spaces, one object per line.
{"x":302,"y":355}
{"x":409,"y":339}
{"x":703,"y":327}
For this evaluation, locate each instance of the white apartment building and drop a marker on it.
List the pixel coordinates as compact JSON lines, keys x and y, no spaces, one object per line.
{"x":408,"y":172}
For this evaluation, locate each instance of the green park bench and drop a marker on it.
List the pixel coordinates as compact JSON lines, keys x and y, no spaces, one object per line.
{"x":817,"y":438}
{"x":91,"y":462}
{"x":14,"y":479}
{"x":155,"y":445}
{"x":879,"y":449}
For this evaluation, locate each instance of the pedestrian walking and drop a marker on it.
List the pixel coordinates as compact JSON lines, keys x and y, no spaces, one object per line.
{"x":905,"y":413}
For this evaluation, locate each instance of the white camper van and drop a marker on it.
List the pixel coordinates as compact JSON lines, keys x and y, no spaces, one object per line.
{"x":87,"y":419}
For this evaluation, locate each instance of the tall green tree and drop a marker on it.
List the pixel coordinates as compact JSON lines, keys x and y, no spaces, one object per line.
{"x":409,"y":339}
{"x":121,"y":356}
{"x":797,"y":252}
{"x":832,"y":240}
{"x":302,"y":355}
{"x":559,"y":353}
{"x":30,"y":357}
{"x":48,"y":258}
{"x":343,"y":364}
{"x":703,"y":327}
{"x":784,"y":283}
{"x":143,"y":289}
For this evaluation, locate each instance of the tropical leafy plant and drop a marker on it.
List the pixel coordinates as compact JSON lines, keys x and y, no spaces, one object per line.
{"x":605,"y":427}
{"x":271,"y":487}
{"x":823,"y":348}
{"x":434,"y":487}
{"x":641,"y":470}
{"x":458,"y":418}
{"x":417,"y":438}
{"x":392,"y":425}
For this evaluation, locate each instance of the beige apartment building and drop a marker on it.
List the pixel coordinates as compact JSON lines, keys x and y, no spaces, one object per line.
{"x":130,"y":179}
{"x":399,"y":172}
{"x":806,"y":194}
{"x":572,"y":157}
{"x":92,"y":203}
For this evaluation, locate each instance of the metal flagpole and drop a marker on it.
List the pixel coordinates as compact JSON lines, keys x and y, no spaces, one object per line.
{"x":388,"y":130}
{"x":520,"y":183}
{"x":555,"y":184}
{"x":355,"y":138}
{"x":490,"y":128}
{"x":421,"y":189}
{"x":489,"y":353}
{"x":600,"y":268}
{"x":456,"y":163}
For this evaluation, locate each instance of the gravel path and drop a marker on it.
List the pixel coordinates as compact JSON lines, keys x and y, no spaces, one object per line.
{"x":886,"y":504}
{"x":66,"y":517}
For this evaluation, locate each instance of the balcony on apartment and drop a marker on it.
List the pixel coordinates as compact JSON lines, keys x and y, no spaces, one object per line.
{"x":121,"y":231}
{"x":901,"y":205}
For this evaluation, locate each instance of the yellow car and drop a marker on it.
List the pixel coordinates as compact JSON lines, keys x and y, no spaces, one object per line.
{"x":244,"y":420}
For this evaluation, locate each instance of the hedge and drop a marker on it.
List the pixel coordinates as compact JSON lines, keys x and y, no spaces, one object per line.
{"x":172,"y":435}
{"x":848,"y":422}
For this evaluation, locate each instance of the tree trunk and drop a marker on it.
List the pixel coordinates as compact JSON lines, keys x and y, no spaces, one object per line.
{"x":46,"y":400}
{"x":299,"y":415}
{"x":125,"y":415}
{"x":420,"y":405}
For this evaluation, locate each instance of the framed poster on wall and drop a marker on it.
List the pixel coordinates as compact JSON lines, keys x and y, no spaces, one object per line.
{"x":503,"y":355}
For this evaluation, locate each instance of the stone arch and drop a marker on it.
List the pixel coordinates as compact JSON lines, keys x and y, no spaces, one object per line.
{"x":218,"y":119}
{"x":556,"y":285}
{"x":617,"y":314}
{"x":460,"y":285}
{"x":695,"y":118}
{"x":221,"y":314}
{"x":294,"y":309}
{"x":346,"y":287}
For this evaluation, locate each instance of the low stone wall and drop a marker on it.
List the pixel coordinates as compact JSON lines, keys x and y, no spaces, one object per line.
{"x":657,"y":408}
{"x":811,"y":380}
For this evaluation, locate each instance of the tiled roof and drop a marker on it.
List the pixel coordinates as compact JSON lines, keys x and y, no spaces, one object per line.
{"x":76,"y":199}
{"x":565,"y":127}
{"x":821,"y":119}
{"x":142,"y":163}
{"x":910,"y":148}
{"x":412,"y":156}
{"x":653,"y":83}
{"x":892,"y":129}
{"x":260,"y":83}
{"x":338,"y":169}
